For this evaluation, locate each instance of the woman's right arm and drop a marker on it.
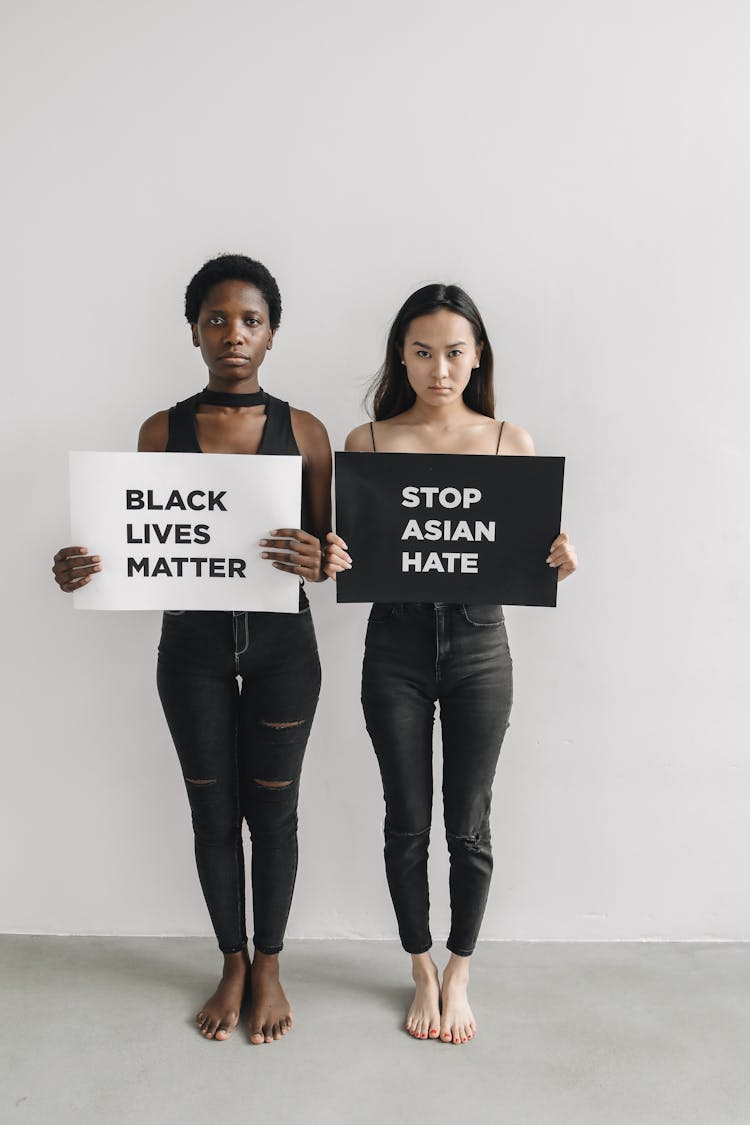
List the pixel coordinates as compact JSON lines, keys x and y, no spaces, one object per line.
{"x":337,"y":556}
{"x":74,"y":567}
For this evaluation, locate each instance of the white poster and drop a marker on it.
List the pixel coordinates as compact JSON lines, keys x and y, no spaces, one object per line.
{"x":181,"y":530}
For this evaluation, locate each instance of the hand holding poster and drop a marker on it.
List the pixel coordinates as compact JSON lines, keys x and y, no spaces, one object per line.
{"x":182,"y":530}
{"x":448,"y":528}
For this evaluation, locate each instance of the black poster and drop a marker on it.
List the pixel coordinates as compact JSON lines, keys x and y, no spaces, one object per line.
{"x":426,"y":527}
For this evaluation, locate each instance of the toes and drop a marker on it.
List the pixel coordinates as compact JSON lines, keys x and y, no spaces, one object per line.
{"x":256,"y":1034}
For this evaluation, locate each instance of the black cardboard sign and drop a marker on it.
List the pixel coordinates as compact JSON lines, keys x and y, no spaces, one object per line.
{"x":448,"y":528}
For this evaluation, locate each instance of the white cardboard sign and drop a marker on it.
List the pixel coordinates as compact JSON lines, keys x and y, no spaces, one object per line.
{"x":181,"y":530}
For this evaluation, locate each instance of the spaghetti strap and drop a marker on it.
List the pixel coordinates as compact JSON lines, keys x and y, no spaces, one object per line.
{"x":499,"y":437}
{"x":372,"y":437}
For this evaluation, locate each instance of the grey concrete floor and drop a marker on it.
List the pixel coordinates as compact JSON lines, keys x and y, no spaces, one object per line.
{"x":99,"y":1030}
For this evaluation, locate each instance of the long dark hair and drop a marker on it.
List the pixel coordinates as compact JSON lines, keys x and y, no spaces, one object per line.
{"x":391,"y":392}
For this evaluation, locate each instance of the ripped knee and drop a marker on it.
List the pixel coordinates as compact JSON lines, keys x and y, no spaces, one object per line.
{"x":200,"y":780}
{"x":271,"y":784}
{"x":468,"y":842}
{"x":282,"y":726}
{"x":392,"y":832}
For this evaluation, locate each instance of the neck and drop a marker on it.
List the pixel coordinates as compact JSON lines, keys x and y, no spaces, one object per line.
{"x":244,"y":386}
{"x":234,"y":399}
{"x":446,"y":415}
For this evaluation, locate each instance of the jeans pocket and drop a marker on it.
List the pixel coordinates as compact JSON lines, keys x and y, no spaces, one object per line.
{"x":381,"y":612}
{"x":483,"y":614}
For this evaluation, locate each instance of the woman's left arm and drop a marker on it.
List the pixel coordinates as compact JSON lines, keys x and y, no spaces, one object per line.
{"x":302,"y":549}
{"x":562,"y":553}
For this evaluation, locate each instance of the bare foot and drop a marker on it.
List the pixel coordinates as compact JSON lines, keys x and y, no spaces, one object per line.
{"x":270,"y":1013}
{"x":457,"y":1023}
{"x":423,"y":1019}
{"x":218,"y":1017}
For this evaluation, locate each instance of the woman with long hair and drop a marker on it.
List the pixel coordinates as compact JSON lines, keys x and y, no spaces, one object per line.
{"x":434,"y":394}
{"x":239,"y":689}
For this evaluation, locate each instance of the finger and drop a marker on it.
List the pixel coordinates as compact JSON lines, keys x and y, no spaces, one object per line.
{"x":295,"y":533}
{"x":64,"y":576}
{"x":334,"y":567}
{"x":74,"y":584}
{"x":76,"y":563}
{"x":310,"y":572}
{"x":305,"y":546}
{"x":299,"y":557}
{"x":336,"y":540}
{"x":67,"y":552}
{"x":558,"y":554}
{"x":336,"y":554}
{"x":561,"y":556}
{"x":339,"y":564}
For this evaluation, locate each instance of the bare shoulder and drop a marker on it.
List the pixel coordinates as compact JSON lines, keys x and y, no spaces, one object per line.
{"x":310,"y":434}
{"x":516,"y":441}
{"x":359,"y":440}
{"x":306,"y":424}
{"x":154,"y":433}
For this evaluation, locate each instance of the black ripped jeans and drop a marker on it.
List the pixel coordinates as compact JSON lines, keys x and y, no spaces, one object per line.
{"x":416,"y":655}
{"x":239,"y":692}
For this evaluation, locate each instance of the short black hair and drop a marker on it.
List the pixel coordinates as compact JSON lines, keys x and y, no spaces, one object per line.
{"x":232,"y":267}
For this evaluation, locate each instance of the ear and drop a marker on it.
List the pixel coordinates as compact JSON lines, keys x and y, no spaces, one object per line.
{"x":194,"y":333}
{"x":478,"y":354}
{"x":269,"y":345}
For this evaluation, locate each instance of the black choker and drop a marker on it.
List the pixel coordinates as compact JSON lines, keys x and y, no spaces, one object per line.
{"x":226,"y":398}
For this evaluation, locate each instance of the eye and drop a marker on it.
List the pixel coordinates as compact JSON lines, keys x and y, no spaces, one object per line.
{"x":251,"y":320}
{"x":455,"y":352}
{"x":422,"y":353}
{"x":216,"y":319}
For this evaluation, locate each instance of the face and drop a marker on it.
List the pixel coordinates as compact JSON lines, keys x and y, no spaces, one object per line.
{"x":440,"y":353}
{"x":233,"y":332}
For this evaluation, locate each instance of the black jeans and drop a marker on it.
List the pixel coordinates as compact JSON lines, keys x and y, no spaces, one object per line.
{"x":239,"y":692}
{"x":458,"y":655}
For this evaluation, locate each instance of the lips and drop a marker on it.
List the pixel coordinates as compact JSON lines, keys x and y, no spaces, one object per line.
{"x":234,"y":357}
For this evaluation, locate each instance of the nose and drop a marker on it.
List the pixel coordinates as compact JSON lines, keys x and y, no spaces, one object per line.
{"x":441,"y":368}
{"x":234,"y":331}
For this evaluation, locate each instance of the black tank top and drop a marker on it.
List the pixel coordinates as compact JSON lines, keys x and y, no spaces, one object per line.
{"x":277,"y":438}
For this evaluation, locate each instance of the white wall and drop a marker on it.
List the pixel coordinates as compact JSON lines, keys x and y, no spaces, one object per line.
{"x":582,"y":169}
